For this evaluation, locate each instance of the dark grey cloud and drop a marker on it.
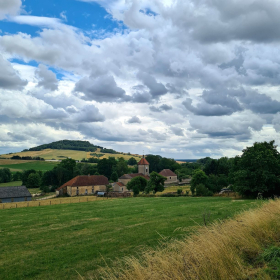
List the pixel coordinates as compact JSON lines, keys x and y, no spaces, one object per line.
{"x":177,"y":131}
{"x":9,"y":79}
{"x":260,"y":103}
{"x":101,"y":89}
{"x":163,"y":107}
{"x":156,"y":89}
{"x":18,"y":137}
{"x":89,"y":113}
{"x":205,"y":109}
{"x":134,"y":119}
{"x":47,"y":78}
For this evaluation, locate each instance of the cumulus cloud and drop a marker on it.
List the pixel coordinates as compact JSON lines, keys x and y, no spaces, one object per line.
{"x":101,"y":89}
{"x":11,"y":7}
{"x":47,"y":78}
{"x":9,"y":78}
{"x":134,"y":119}
{"x":161,"y":108}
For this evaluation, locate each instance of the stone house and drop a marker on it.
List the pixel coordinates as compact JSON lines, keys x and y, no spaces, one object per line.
{"x":127,"y":177}
{"x":14,"y":194}
{"x":171,"y":176}
{"x":119,"y":187}
{"x":84,"y":185}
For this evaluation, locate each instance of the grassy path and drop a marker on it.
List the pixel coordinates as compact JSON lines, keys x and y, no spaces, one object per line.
{"x":54,"y":242}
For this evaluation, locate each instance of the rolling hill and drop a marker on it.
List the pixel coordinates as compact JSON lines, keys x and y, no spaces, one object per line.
{"x":70,"y":149}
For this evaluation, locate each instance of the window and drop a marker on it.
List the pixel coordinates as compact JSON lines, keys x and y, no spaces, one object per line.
{"x":93,"y":190}
{"x":25,"y":198}
{"x":122,"y":189}
{"x":146,"y":169}
{"x":170,"y":178}
{"x":12,"y":200}
{"x":86,"y":192}
{"x":77,"y":192}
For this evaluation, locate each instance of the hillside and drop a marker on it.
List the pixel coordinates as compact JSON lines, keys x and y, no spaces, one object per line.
{"x":70,"y":149}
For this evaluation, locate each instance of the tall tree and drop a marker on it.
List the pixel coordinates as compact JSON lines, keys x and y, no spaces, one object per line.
{"x":156,"y":182}
{"x":137,"y":184}
{"x":258,"y":170}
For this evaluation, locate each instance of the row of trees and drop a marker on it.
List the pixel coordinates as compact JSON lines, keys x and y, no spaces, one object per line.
{"x":255,"y":172}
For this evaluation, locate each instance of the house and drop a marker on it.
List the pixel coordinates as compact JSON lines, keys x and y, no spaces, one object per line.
{"x":171,"y":176}
{"x":14,"y":194}
{"x":127,"y":177}
{"x":84,"y":185}
{"x":119,"y":187}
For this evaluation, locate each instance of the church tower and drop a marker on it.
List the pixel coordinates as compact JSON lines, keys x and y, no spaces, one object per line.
{"x":143,"y":166}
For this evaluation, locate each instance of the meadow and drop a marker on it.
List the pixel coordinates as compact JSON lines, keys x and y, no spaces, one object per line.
{"x":60,"y":241}
{"x":11,"y":184}
{"x":20,"y":165}
{"x":49,"y":154}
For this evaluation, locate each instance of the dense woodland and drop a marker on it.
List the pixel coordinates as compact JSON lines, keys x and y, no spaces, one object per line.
{"x":255,"y":173}
{"x":67,"y":145}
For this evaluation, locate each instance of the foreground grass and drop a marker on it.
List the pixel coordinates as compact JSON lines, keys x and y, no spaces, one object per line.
{"x":56,"y":242}
{"x":246,"y":247}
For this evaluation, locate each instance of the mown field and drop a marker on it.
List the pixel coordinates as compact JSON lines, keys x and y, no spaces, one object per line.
{"x":62,"y":154}
{"x":20,"y":165}
{"x":11,"y":184}
{"x":60,"y":241}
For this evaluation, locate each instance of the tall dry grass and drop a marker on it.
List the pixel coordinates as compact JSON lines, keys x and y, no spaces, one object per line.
{"x":224,"y":250}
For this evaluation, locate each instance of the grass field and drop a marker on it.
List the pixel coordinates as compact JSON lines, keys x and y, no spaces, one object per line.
{"x":25,"y":165}
{"x":62,"y":154}
{"x":11,"y":184}
{"x":56,"y":242}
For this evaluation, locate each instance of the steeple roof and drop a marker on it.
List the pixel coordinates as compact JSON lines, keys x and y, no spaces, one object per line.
{"x":143,"y":161}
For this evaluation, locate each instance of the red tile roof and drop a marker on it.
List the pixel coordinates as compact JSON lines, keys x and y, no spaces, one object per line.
{"x":120,"y":184}
{"x":86,"y":180}
{"x":167,"y":172}
{"x":143,"y":161}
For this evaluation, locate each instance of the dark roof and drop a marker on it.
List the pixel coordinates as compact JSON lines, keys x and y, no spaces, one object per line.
{"x":143,"y":161}
{"x":132,"y":175}
{"x":86,"y":180}
{"x":14,"y":192}
{"x":167,"y":172}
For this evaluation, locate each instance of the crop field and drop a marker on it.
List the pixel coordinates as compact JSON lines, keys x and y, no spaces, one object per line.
{"x":64,"y":240}
{"x":62,"y":154}
{"x":20,"y":165}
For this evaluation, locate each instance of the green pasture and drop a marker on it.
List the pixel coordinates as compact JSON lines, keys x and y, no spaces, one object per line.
{"x":60,"y":241}
{"x":35,"y":164}
{"x":11,"y":184}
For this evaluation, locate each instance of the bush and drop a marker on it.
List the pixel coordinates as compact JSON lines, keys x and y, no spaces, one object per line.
{"x":201,"y":190}
{"x":179,"y":191}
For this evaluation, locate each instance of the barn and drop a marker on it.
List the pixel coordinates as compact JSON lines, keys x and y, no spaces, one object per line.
{"x":14,"y":194}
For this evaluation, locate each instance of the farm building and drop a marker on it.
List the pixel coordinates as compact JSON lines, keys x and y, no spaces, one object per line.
{"x":143,"y":171}
{"x":127,"y":177}
{"x":171,"y":176}
{"x":83,"y":185}
{"x":119,"y":187}
{"x":14,"y":194}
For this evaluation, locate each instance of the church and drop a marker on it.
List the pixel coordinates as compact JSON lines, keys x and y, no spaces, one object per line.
{"x":143,"y":171}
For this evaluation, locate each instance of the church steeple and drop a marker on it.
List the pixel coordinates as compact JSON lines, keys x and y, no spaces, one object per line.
{"x":143,"y":166}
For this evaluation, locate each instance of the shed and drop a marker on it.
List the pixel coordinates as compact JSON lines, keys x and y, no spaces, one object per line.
{"x":14,"y":194}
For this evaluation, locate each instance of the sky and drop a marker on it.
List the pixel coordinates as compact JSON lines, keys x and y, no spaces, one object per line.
{"x":179,"y":78}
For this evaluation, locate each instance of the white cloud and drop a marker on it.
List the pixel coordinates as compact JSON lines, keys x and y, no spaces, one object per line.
{"x":9,"y":7}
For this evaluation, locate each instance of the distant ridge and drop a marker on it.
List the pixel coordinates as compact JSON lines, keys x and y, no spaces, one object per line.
{"x":67,"y":145}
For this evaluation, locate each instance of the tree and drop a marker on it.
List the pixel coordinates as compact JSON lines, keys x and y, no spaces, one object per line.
{"x":121,"y":167}
{"x":114,"y":176}
{"x":108,"y":189}
{"x":33,"y":180}
{"x":69,"y":164}
{"x":17,"y":176}
{"x":156,"y":183}
{"x":258,"y":170}
{"x":199,"y":177}
{"x":5,"y":175}
{"x":25,"y":175}
{"x":137,"y":184}
{"x":132,"y":161}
